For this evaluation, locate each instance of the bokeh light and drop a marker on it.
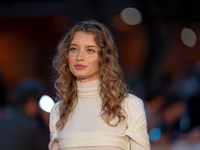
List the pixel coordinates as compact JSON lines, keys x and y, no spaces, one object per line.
{"x":46,"y":103}
{"x":131,"y":16}
{"x":155,"y":134}
{"x":188,"y":37}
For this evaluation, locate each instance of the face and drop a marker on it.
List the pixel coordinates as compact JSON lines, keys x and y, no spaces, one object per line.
{"x":83,"y":57}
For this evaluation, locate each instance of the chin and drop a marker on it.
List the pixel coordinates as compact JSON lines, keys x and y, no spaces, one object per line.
{"x":80,"y":77}
{"x":79,"y":74}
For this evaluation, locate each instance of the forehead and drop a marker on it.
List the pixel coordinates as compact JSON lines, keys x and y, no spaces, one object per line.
{"x":80,"y":34}
{"x":82,"y":37}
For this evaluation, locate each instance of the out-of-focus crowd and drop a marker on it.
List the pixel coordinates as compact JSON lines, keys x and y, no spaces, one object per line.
{"x":172,"y":110}
{"x":23,"y":125}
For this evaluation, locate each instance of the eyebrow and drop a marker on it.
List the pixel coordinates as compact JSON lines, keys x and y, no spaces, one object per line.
{"x":86,"y":46}
{"x":91,"y":46}
{"x":73,"y":45}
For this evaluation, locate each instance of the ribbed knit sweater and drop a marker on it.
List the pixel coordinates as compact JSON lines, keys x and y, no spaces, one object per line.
{"x":86,"y":130}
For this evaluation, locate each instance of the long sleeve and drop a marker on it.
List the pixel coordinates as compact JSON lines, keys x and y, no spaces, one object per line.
{"x":137,"y":126}
{"x":54,"y":116}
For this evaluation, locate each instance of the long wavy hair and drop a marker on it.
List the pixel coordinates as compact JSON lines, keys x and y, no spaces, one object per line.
{"x":112,"y":88}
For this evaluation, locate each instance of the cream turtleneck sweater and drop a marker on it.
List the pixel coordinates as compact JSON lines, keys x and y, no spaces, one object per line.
{"x":86,"y":130}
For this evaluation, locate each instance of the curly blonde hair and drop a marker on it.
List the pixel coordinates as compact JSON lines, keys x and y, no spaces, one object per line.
{"x":112,"y":88}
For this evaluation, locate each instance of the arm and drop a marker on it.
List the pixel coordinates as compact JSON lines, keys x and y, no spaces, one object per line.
{"x":54,"y":116}
{"x":137,"y":126}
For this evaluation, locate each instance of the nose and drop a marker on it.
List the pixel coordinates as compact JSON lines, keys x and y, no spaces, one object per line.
{"x":80,"y":56}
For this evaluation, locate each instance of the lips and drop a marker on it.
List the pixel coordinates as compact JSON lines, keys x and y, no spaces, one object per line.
{"x":80,"y":67}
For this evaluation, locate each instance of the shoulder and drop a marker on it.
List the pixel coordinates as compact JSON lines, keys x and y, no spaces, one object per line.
{"x":133,"y":104}
{"x":133,"y":100}
{"x":55,"y":109}
{"x":134,"y":107}
{"x":54,"y":117}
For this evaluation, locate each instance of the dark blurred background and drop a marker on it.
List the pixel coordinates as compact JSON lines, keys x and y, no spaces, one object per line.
{"x":158,"y":44}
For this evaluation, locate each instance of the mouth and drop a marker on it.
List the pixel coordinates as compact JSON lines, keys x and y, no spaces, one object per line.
{"x":79,"y":66}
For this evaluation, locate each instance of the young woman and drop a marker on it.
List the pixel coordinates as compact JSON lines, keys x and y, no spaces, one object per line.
{"x":95,"y":110}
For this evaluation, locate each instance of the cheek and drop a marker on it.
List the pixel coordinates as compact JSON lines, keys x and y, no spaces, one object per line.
{"x":95,"y":61}
{"x":70,"y":59}
{"x":70,"y":62}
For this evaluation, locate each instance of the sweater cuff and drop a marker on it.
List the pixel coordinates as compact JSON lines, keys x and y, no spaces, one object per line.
{"x":53,"y":144}
{"x":138,"y":138}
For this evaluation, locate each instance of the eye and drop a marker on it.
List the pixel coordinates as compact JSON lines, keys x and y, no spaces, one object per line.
{"x":90,"y":51}
{"x":73,"y":49}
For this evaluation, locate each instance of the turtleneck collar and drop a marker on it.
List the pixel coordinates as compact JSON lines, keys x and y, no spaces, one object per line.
{"x":88,"y":89}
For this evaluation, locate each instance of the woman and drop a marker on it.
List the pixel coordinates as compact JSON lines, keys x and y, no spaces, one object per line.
{"x":95,"y":111}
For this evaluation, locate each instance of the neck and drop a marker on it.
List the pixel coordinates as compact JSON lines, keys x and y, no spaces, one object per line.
{"x":88,"y":89}
{"x":86,"y":80}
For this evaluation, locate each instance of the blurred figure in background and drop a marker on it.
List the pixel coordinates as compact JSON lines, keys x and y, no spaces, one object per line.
{"x":19,"y":129}
{"x":2,"y":96}
{"x":190,"y":139}
{"x":171,"y":115}
{"x":172,"y":112}
{"x":155,"y":99}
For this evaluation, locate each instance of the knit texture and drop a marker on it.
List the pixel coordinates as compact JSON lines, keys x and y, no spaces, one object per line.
{"x":86,"y":130}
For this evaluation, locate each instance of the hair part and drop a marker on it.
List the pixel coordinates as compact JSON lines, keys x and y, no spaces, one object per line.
{"x":110,"y":75}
